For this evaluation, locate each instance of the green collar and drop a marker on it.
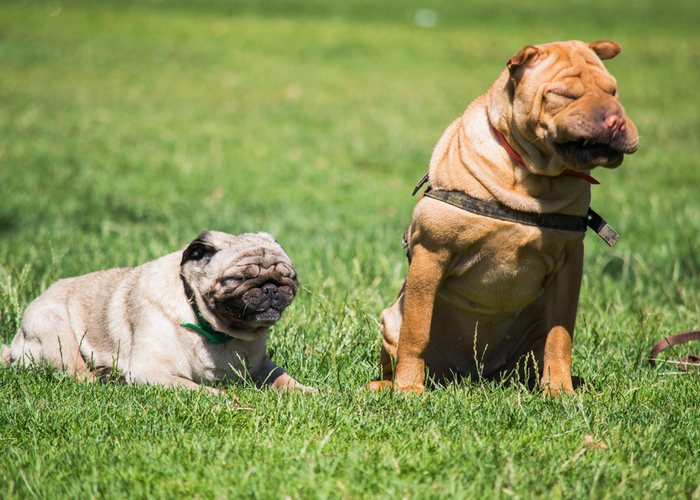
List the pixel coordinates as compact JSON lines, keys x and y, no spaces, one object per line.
{"x":212,"y":336}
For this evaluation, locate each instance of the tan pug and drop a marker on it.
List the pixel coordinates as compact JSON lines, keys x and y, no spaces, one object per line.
{"x":192,"y":317}
{"x":487,"y":296}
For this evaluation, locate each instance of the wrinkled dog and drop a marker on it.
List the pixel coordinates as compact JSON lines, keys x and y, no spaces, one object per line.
{"x":192,"y":317}
{"x":496,"y":242}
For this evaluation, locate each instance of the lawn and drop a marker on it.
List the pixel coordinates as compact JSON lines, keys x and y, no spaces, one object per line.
{"x":128,"y":127}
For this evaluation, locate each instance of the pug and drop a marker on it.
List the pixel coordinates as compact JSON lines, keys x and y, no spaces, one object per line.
{"x":188,"y":319}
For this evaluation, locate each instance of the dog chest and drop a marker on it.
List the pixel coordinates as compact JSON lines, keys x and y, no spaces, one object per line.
{"x":504,"y":269}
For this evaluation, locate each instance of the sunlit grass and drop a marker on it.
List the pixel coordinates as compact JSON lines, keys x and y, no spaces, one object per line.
{"x":126,"y":128}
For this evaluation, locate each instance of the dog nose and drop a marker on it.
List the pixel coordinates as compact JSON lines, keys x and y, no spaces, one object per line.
{"x":270,"y":290}
{"x":615,"y":123}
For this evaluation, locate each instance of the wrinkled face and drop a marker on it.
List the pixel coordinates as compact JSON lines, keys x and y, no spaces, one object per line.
{"x":566,"y":104}
{"x":246,"y":281}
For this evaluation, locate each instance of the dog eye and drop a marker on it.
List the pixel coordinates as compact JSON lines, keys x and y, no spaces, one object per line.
{"x":251,"y":271}
{"x":197,"y":253}
{"x":284,"y":270}
{"x":559,"y":96}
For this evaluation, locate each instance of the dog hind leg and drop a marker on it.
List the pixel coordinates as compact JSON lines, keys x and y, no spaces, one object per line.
{"x":47,"y":337}
{"x":390,"y":328}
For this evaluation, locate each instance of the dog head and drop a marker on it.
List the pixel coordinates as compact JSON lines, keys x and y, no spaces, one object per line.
{"x":241,"y":283}
{"x":565,"y":108}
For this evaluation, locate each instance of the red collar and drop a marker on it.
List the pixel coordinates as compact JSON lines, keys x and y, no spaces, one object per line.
{"x":518,"y":159}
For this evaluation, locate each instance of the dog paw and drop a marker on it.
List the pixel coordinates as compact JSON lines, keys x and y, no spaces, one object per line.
{"x":286,"y":383}
{"x":413,"y":389}
{"x":380,"y":385}
{"x":552,"y":391}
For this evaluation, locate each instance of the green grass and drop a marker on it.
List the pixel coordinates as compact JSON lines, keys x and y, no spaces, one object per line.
{"x":126,"y":128}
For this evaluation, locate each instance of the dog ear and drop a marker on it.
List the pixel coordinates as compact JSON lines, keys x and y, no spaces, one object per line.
{"x":605,"y":49}
{"x":522,"y":59}
{"x":198,"y":249}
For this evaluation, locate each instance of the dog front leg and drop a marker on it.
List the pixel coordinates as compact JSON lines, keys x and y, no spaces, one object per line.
{"x":425,"y":275}
{"x":561,"y":299}
{"x":274,"y":376}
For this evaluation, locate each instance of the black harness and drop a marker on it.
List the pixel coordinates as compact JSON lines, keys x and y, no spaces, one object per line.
{"x":559,"y":222}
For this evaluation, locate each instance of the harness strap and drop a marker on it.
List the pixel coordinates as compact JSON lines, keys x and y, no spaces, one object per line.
{"x":497,"y":211}
{"x":679,"y":338}
{"x":420,"y":183}
{"x":560,"y":222}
